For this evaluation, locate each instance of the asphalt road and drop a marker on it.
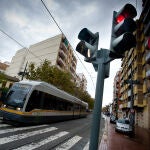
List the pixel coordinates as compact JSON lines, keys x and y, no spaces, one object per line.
{"x":73,"y":135}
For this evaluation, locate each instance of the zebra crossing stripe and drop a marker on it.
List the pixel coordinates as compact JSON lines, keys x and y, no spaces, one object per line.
{"x":67,"y":145}
{"x":86,"y":146}
{"x":4,"y":125}
{"x":19,"y":129}
{"x":43,"y":142}
{"x":25,"y":135}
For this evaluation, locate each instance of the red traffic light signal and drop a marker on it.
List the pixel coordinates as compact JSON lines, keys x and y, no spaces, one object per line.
{"x":123,"y":26}
{"x":128,"y":11}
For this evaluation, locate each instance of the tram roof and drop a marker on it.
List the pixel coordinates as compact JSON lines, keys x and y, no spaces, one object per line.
{"x":36,"y":83}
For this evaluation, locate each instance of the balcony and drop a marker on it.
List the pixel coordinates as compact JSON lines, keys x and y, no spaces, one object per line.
{"x":63,"y":47}
{"x":124,"y":105}
{"x":129,"y":93}
{"x":135,"y":90}
{"x":60,"y":62}
{"x":143,"y":74}
{"x":62,"y":54}
{"x":144,"y":88}
{"x":142,"y":48}
{"x":148,"y":74}
{"x":134,"y":65}
{"x":129,"y":72}
{"x":72,"y":69}
{"x":142,"y":104}
{"x":74,"y":63}
{"x":143,"y":61}
{"x":129,"y":104}
{"x":130,"y":61}
{"x":145,"y":102}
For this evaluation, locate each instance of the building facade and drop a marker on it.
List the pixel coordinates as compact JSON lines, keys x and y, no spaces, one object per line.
{"x":3,"y":66}
{"x":56,"y":49}
{"x":136,"y":67}
{"x":117,"y":96}
{"x":81,"y":81}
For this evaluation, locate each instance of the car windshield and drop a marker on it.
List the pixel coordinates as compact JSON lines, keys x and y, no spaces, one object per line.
{"x":124,"y":121}
{"x":17,"y":95}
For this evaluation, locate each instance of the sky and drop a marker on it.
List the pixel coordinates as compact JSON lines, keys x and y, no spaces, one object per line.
{"x":28,"y":22}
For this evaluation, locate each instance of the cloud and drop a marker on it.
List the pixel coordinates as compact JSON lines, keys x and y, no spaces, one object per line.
{"x":13,"y":18}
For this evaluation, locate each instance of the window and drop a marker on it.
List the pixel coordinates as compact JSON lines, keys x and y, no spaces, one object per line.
{"x":35,"y":101}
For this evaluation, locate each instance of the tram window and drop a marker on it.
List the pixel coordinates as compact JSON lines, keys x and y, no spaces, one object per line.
{"x":49,"y":102}
{"x":34,"y":101}
{"x":76,"y":107}
{"x":52,"y":102}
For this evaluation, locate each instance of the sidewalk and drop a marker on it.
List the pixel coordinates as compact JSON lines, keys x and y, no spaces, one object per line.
{"x":117,"y":141}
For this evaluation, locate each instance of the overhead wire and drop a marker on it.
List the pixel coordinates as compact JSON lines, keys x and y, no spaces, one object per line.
{"x":19,"y":43}
{"x":68,"y":41}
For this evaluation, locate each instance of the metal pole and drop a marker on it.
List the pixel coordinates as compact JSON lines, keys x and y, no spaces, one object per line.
{"x":24,"y":71}
{"x":94,"y":139}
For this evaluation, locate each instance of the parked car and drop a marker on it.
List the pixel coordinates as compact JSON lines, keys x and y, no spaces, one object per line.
{"x":112,"y":119}
{"x":123,"y":125}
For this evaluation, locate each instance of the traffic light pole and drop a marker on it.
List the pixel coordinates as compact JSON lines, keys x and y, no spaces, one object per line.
{"x":101,"y":61}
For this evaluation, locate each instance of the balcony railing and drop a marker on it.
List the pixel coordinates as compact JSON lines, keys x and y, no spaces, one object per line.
{"x":144,"y":73}
{"x":62,"y":54}
{"x":60,"y":62}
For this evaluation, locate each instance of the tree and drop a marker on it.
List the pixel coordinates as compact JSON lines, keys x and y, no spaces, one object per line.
{"x":2,"y":77}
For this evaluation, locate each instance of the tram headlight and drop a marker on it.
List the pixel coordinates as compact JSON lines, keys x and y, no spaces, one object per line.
{"x":18,"y":108}
{"x":4,"y":105}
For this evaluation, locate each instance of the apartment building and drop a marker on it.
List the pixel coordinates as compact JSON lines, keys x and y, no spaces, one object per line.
{"x":117,"y":96}
{"x":3,"y":66}
{"x":55,"y":49}
{"x":136,"y":66}
{"x":81,"y":81}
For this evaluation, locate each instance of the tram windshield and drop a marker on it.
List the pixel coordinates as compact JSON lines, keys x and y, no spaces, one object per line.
{"x":17,"y":94}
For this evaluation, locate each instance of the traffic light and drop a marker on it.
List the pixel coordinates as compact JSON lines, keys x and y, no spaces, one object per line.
{"x":88,"y":44}
{"x":123,"y":26}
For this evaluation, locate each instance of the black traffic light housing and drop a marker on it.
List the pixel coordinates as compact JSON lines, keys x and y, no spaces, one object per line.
{"x":88,"y":44}
{"x":123,"y":26}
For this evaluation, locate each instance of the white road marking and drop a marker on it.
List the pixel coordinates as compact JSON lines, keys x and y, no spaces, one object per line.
{"x":25,"y":135}
{"x":19,"y":129}
{"x":4,"y":125}
{"x":86,"y":146}
{"x":45,"y":141}
{"x":67,"y":145}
